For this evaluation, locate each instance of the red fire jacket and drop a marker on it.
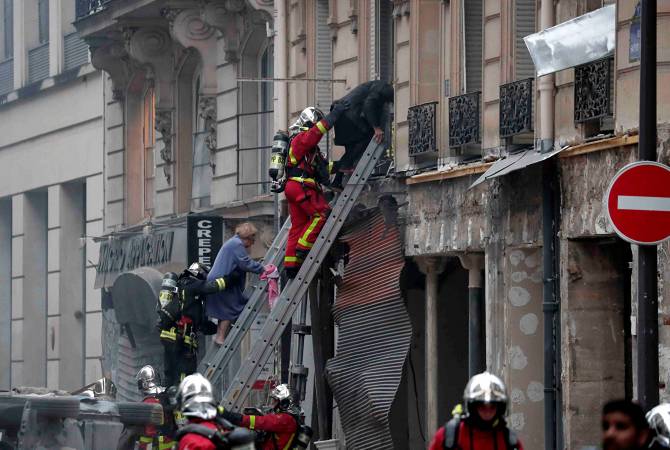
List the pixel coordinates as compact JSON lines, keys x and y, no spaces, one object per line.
{"x":281,"y":426}
{"x":192,"y":441}
{"x":303,"y":148}
{"x":471,"y":438}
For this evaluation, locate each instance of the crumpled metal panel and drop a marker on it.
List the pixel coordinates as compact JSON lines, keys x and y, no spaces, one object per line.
{"x":578,"y":41}
{"x":374,"y":334}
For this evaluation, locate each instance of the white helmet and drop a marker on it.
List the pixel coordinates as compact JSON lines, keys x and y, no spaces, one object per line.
{"x":659,"y":422}
{"x":306,"y":120}
{"x":282,"y":394}
{"x":195,"y":398}
{"x":147,"y":381}
{"x":485,"y":388}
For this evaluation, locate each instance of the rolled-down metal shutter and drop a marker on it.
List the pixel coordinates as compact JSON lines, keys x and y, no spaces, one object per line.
{"x":6,"y":76}
{"x":524,"y":13}
{"x":324,"y":57}
{"x":374,"y":334}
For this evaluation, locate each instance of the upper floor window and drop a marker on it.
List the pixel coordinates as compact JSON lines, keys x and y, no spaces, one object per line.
{"x":7,"y":29}
{"x":43,"y":20}
{"x":149,"y":139}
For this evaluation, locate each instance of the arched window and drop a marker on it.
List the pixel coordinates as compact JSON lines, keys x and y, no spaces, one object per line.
{"x":149,"y":141}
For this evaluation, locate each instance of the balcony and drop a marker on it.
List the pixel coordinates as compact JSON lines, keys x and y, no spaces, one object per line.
{"x":516,"y":108}
{"x":85,"y":8}
{"x":464,"y":119}
{"x":422,"y":128}
{"x":593,"y":90}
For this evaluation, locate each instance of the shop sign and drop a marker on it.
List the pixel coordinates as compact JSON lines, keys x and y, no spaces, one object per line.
{"x":205,"y":237}
{"x":118,"y":256}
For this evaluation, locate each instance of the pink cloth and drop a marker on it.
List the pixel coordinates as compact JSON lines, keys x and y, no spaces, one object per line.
{"x":271,"y":274}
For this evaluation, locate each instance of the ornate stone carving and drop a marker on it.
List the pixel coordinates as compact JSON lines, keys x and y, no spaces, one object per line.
{"x":164,"y":127}
{"x":353,"y":15}
{"x":153,"y":47}
{"x":111,"y":56}
{"x":208,"y":114}
{"x":190,"y":29}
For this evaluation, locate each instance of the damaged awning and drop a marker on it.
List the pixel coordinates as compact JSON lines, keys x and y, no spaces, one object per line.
{"x":514,"y":162}
{"x":581,"y":40}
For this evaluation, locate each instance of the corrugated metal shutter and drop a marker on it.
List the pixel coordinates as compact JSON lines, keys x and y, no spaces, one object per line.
{"x":525,"y":25}
{"x":38,"y":63}
{"x":324,"y":57}
{"x":374,"y":334}
{"x":76,"y":51}
{"x":373,"y":20}
{"x":473,"y":45}
{"x":6,"y":76}
{"x":148,"y":350}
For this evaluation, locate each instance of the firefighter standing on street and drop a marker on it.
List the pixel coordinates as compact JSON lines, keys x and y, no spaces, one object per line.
{"x":483,"y":427}
{"x":282,"y":425}
{"x":204,"y":430}
{"x":182,"y":316}
{"x":306,"y":171}
{"x":153,"y":437}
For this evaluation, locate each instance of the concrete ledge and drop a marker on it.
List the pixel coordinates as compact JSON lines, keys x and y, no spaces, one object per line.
{"x":463,"y":171}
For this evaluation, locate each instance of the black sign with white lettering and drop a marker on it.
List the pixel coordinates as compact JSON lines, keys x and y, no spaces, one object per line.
{"x":118,"y":256}
{"x":205,"y":237}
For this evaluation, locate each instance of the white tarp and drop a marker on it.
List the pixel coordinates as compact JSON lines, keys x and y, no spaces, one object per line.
{"x":578,"y":41}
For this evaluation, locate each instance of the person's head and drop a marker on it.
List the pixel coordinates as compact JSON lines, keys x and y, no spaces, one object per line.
{"x":624,"y":426}
{"x":485,"y":399}
{"x":659,"y":422}
{"x":281,"y":397}
{"x":195,"y":398}
{"x":147,"y":381}
{"x":247,"y":233}
{"x":306,"y":120}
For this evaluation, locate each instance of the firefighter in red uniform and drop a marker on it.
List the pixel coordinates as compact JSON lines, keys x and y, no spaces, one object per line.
{"x":483,"y":427}
{"x":204,"y":430}
{"x":153,"y":437}
{"x":281,"y":426}
{"x":306,"y":171}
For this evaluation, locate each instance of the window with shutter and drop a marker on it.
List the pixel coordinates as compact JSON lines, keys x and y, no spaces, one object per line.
{"x":8,"y":29}
{"x":43,"y":20}
{"x":524,"y":15}
{"x":472,"y":21}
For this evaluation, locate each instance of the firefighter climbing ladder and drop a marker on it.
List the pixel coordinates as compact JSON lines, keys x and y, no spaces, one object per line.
{"x":291,"y":296}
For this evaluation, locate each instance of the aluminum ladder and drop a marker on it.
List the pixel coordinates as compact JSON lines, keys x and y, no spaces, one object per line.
{"x":292,"y":295}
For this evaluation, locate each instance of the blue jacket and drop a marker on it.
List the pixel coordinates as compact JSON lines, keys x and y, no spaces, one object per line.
{"x":233,"y":257}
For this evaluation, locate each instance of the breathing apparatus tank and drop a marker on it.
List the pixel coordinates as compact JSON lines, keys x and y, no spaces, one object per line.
{"x":276,"y":171}
{"x":302,"y":438}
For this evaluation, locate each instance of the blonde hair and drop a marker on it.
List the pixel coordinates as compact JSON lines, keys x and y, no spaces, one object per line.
{"x":246,"y":230}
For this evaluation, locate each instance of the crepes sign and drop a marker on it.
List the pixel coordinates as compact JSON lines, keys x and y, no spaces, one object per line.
{"x":205,"y":237}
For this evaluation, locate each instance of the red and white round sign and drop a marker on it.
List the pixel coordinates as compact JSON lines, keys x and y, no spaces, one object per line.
{"x":638,"y":202}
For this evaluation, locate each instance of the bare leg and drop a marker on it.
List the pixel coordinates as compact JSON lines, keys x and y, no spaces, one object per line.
{"x":221,"y":331}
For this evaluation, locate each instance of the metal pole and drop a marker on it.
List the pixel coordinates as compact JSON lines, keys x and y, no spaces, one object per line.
{"x":476,"y":331}
{"x":298,"y":369}
{"x":431,"y":350}
{"x":647,"y":300}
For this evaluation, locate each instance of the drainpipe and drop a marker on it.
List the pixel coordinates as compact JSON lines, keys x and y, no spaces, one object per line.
{"x":550,"y":246}
{"x":474,"y":264}
{"x":280,"y":115}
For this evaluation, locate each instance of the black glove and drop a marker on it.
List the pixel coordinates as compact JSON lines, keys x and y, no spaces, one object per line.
{"x":232,"y":417}
{"x":336,"y":111}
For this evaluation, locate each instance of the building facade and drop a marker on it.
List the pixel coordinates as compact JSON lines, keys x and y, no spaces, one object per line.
{"x":51,"y":194}
{"x":488,"y":161}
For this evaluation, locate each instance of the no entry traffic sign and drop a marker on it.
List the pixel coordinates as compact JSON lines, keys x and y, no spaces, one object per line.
{"x":638,"y":202}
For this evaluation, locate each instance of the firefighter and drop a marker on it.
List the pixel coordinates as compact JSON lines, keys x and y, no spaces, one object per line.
{"x":659,"y":423}
{"x":155,"y":438}
{"x":306,"y":171}
{"x":204,"y":429}
{"x":483,"y":425}
{"x":182,"y":316}
{"x":282,"y":426}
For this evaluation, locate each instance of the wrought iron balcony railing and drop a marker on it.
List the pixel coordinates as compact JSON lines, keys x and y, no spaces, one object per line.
{"x":87,"y":7}
{"x":464,"y":127}
{"x":593,"y":90}
{"x":422,"y":128}
{"x":516,"y":108}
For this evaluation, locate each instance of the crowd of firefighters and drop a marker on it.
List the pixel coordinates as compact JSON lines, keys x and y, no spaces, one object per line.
{"x":192,"y":418}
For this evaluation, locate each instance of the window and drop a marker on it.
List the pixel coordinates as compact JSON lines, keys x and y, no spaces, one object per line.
{"x":7,"y":29}
{"x":43,"y":20}
{"x":472,"y":42}
{"x":205,"y":125}
{"x":524,"y":16}
{"x":265,"y":118}
{"x":149,"y":139}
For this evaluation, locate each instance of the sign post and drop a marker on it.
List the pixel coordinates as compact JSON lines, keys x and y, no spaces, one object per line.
{"x":205,"y":237}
